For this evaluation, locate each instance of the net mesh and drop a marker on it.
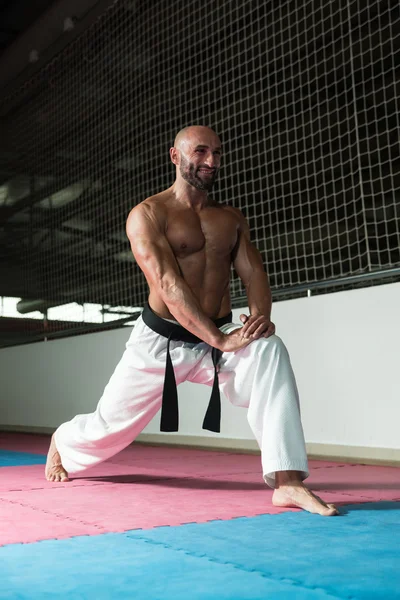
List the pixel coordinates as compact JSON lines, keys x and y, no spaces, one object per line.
{"x":303,"y":95}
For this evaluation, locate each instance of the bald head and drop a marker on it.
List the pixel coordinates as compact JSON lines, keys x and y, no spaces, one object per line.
{"x":197,"y":156}
{"x":193,"y":134}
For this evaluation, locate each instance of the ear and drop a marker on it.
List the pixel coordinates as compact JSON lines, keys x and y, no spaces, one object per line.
{"x":174,"y":155}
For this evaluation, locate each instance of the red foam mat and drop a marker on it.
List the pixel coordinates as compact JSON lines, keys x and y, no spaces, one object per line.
{"x":146,"y":487}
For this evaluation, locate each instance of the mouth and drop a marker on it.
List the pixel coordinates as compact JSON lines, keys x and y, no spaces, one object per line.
{"x":207,"y":172}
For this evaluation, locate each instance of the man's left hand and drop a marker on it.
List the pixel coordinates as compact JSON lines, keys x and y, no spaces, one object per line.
{"x":256,"y":326}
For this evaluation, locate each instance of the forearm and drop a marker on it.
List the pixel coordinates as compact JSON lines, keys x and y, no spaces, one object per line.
{"x":259,"y":294}
{"x":186,"y":309}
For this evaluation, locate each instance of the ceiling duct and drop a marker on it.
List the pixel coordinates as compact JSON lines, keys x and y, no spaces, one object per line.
{"x":28,"y":306}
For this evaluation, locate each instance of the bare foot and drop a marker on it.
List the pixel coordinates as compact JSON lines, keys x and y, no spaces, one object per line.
{"x":54,"y":470}
{"x":295,"y":495}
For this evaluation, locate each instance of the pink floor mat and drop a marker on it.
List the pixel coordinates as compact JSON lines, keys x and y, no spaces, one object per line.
{"x":145,"y":487}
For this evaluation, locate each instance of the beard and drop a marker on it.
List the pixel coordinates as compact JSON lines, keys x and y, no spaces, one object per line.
{"x":192,"y":175}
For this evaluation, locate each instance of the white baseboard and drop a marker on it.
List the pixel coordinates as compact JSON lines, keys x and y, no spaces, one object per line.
{"x":27,"y":429}
{"x":359,"y":454}
{"x":210,"y":443}
{"x":334,"y":452}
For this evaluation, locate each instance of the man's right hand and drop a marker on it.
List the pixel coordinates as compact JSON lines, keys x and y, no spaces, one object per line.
{"x":230,"y":342}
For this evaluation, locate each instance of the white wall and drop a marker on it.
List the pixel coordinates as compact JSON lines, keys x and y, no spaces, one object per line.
{"x":344,"y":349}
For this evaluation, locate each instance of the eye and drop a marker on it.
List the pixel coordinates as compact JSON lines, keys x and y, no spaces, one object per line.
{"x":218,"y":152}
{"x":200,"y":150}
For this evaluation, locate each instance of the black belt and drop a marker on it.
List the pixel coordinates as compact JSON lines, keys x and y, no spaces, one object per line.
{"x":169,"y":410}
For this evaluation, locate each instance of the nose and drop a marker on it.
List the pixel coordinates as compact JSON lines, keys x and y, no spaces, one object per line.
{"x":210,"y":160}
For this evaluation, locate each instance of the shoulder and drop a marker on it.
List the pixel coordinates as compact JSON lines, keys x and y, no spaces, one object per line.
{"x":232,"y":210}
{"x":151,"y":210}
{"x":236,"y":214}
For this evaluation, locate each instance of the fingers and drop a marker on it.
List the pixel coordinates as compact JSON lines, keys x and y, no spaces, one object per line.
{"x":247,"y":322}
{"x":258,"y":327}
{"x":270,"y":331}
{"x":253,"y":324}
{"x":243,"y":318}
{"x":260,"y":331}
{"x":254,"y":329}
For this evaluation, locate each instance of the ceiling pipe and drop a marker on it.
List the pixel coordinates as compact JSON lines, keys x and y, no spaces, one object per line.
{"x":28,"y":306}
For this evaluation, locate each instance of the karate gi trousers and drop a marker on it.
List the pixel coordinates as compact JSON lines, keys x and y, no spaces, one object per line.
{"x":258,"y":377}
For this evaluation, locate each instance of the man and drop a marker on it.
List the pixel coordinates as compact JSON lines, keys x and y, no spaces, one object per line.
{"x":185,"y":243}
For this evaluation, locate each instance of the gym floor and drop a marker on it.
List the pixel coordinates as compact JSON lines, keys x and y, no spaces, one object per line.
{"x":184,"y":524}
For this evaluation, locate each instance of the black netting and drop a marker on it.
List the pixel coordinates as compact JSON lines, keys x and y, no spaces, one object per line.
{"x":303,"y":95}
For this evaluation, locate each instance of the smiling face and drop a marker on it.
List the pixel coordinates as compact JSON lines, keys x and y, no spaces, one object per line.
{"x":197,"y":154}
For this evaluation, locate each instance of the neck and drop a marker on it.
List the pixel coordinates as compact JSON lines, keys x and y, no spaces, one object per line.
{"x":189,"y":195}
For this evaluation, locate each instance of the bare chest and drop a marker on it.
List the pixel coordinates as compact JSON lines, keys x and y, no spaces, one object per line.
{"x":213,"y":231}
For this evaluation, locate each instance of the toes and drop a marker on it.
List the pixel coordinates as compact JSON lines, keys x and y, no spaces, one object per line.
{"x":57,"y":477}
{"x":321,"y":501}
{"x":332,"y":508}
{"x":332,"y":511}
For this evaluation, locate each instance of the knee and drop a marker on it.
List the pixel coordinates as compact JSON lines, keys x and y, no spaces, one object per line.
{"x":273,"y":341}
{"x":272,"y":344}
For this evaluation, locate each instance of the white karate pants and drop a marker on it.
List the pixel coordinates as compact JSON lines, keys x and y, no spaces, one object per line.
{"x":258,"y":377}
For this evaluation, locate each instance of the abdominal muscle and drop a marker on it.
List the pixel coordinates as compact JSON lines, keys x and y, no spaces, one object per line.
{"x":211,"y":288}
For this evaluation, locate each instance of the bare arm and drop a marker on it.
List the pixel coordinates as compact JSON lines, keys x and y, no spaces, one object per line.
{"x":249,"y":266}
{"x":145,"y":230}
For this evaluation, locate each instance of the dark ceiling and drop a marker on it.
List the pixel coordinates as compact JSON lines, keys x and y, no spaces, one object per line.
{"x":308,"y":108}
{"x":16,"y":16}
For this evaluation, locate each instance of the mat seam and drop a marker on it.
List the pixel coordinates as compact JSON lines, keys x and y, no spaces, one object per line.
{"x":368,"y":498}
{"x":269,"y":576}
{"x":57,"y":515}
{"x":94,"y":484}
{"x":103,"y":483}
{"x":128,"y":531}
{"x":48,"y":488}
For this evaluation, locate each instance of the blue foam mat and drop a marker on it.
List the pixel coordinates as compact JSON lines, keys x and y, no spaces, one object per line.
{"x":294,"y":556}
{"x":10,"y":458}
